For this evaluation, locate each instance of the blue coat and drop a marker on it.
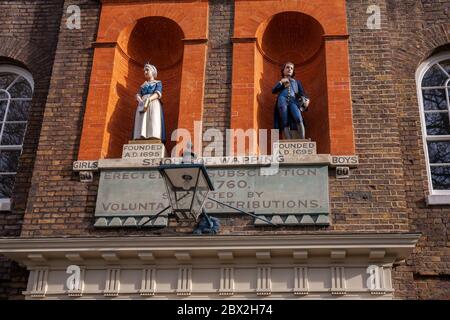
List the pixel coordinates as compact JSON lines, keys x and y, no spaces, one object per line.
{"x":150,"y":88}
{"x":282,"y":91}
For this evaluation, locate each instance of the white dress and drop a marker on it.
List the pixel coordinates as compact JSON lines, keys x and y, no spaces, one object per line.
{"x":148,"y":125}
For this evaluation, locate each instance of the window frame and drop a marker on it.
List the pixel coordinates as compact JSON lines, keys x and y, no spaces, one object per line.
{"x":5,"y":204}
{"x":436,"y":197}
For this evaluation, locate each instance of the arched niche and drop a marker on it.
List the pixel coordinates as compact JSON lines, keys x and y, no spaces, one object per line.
{"x":171,"y":36}
{"x":318,"y":33}
{"x":298,"y":38}
{"x":158,"y":40}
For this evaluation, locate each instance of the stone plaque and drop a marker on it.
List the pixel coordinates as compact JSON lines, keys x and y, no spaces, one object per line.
{"x":294,"y":148}
{"x":218,"y":162}
{"x":292,"y":190}
{"x":144,"y":151}
{"x":85,"y":166}
{"x":131,"y":193}
{"x":346,"y":161}
{"x":86,"y":176}
{"x":342,"y":172}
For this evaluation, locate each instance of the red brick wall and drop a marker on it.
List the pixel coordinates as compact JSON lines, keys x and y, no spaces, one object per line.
{"x":137,"y":45}
{"x":182,"y":66}
{"x":322,"y":23}
{"x":295,"y":37}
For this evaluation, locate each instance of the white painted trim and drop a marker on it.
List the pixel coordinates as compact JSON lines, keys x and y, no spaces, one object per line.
{"x":5,"y":204}
{"x":39,"y":281}
{"x":226,"y":281}
{"x":438,"y":200}
{"x":129,"y":277}
{"x":199,"y":282}
{"x":420,"y":73}
{"x":184,"y":287}
{"x":148,"y":281}
{"x":19,"y":71}
{"x":397,"y":246}
{"x":301,"y":283}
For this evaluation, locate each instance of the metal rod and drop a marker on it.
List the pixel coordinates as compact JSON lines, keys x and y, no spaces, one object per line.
{"x":248,"y":213}
{"x":156,"y":216}
{"x":161,"y":212}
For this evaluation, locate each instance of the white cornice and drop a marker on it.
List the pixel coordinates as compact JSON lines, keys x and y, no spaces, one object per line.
{"x":397,"y":246}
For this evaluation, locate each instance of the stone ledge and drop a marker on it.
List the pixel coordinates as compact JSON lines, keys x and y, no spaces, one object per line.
{"x":294,"y":220}
{"x":211,"y":162}
{"x":130,"y":222}
{"x":438,"y":200}
{"x":398,"y":246}
{"x":240,"y":161}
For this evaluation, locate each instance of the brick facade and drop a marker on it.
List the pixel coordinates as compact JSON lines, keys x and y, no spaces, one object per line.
{"x":386,"y":193}
{"x":430,"y":264}
{"x":28,"y":39}
{"x":216,"y":113}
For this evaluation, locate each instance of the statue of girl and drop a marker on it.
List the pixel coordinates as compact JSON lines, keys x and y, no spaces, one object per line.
{"x":149,"y":119}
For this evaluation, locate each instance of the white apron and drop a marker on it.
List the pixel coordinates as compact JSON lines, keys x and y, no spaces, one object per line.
{"x":148,"y":124}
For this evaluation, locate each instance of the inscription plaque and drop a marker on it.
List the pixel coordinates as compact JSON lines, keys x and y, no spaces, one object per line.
{"x":293,"y":190}
{"x":140,"y":151}
{"x":294,"y":148}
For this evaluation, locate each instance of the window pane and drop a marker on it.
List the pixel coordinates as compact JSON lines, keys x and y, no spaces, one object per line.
{"x":434,"y":99}
{"x":6,"y":79}
{"x":439,"y":152}
{"x":9,"y":160}
{"x":434,"y":77}
{"x":2,"y":109}
{"x":6,"y":186}
{"x":3,"y":95}
{"x":18,"y":110}
{"x":441,"y":178}
{"x":13,"y":134}
{"x":446,"y":65}
{"x":437,"y":124}
{"x":21,"y":89}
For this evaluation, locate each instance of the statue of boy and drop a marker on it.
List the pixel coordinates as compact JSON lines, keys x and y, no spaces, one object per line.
{"x":149,"y":119}
{"x":291,"y":102}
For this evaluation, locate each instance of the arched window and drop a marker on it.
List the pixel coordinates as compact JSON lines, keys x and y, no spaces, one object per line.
{"x":16,"y":91}
{"x":433,"y":79}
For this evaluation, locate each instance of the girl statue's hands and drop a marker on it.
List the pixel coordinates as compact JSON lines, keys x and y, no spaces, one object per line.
{"x":146,"y":104}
